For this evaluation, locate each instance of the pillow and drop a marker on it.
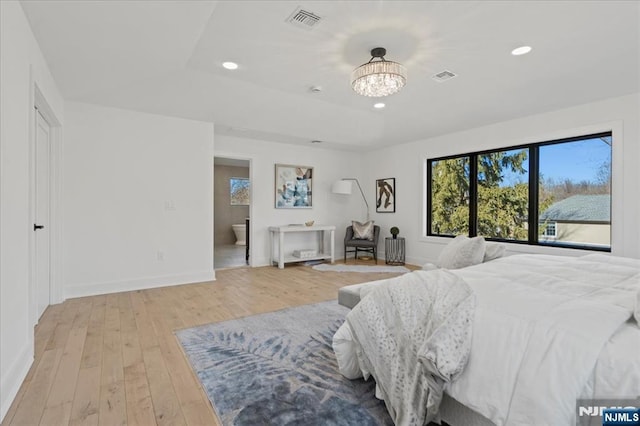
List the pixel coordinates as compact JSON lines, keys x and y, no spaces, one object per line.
{"x":462,"y":252}
{"x":429,"y":267}
{"x":493,"y":251}
{"x":362,"y":231}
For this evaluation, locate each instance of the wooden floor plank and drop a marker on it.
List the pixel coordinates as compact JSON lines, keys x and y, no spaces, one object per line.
{"x":60,"y":334}
{"x":58,"y":407}
{"x":146,"y":333}
{"x":46,"y":326}
{"x":86,"y":403}
{"x":113,"y":410}
{"x":92,"y":353}
{"x":139,"y":403}
{"x":129,"y":368}
{"x":165,"y":401}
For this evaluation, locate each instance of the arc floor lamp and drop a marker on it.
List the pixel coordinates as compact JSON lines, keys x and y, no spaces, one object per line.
{"x":344,"y":186}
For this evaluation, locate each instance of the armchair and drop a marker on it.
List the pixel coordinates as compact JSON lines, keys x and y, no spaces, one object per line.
{"x":361,"y":245}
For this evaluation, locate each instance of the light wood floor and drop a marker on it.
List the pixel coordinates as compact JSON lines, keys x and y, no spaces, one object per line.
{"x":114,"y":360}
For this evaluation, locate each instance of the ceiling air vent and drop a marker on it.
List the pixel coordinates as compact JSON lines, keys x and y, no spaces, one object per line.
{"x":443,"y":76}
{"x":303,"y":18}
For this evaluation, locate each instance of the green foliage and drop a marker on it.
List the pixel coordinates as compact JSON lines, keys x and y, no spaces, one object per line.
{"x":503,"y":211}
{"x":394,"y":230}
{"x":450,"y":196}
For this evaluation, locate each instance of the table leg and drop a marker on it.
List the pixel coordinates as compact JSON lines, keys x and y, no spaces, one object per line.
{"x":270,"y":247}
{"x":281,"y":250}
{"x":333,"y":246}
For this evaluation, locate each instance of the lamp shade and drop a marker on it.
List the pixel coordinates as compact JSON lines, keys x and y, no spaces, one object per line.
{"x":341,"y":187}
{"x":378,"y":77}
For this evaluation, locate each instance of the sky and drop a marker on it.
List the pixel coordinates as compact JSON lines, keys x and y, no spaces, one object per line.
{"x":576,"y":161}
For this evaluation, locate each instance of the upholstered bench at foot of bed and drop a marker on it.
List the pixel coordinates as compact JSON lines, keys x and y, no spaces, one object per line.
{"x":349,"y":296}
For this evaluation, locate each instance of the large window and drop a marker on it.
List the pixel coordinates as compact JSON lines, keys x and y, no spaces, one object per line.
{"x":550,"y":193}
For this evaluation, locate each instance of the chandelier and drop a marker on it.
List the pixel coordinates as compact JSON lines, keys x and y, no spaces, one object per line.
{"x":380,"y":77}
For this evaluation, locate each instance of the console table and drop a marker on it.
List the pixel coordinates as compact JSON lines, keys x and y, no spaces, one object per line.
{"x":277,"y":234}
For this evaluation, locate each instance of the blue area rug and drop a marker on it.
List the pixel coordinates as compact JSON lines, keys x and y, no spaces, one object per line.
{"x":279,"y":369}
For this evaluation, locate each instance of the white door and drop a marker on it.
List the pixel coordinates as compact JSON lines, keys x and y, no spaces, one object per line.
{"x":41,"y":226}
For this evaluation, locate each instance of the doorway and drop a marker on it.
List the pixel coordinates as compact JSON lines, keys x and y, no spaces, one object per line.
{"x":42,"y":209}
{"x":44,"y":193}
{"x":231,"y":212}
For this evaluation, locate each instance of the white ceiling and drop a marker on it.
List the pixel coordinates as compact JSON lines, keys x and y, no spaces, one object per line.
{"x":165,"y":57}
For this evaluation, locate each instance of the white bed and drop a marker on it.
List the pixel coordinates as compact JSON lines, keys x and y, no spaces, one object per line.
{"x":546,"y":331}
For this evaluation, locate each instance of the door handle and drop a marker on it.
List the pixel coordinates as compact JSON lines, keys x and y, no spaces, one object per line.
{"x":36,"y":227}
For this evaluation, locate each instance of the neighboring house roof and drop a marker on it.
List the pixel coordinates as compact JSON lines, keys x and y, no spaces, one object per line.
{"x":580,"y":208}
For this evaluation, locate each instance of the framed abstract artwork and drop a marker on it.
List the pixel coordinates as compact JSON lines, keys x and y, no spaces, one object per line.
{"x":386,"y":195}
{"x":293,"y":186}
{"x":239,"y":190}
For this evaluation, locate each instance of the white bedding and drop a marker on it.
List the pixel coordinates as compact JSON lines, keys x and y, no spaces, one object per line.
{"x":548,"y":330}
{"x":608,"y":379}
{"x":541,"y":332}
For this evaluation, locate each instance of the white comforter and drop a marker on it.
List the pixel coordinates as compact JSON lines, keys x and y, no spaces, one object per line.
{"x":413,"y":334}
{"x":540,"y":326}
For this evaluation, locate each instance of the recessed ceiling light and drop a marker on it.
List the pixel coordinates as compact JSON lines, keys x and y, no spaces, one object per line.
{"x":230,"y":65}
{"x":316,"y":141}
{"x":379,"y":105}
{"x":522,"y":50}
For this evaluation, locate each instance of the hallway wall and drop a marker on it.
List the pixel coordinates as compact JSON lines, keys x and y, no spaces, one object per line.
{"x":225,"y":214}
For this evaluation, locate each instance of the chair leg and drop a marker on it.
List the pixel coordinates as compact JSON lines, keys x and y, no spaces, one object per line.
{"x":345,"y":254}
{"x":375,"y":254}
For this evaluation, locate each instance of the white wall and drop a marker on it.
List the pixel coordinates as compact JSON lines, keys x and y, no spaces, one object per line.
{"x":138,"y":200}
{"x":328,"y":208}
{"x":21,"y":67}
{"x":406,"y":163}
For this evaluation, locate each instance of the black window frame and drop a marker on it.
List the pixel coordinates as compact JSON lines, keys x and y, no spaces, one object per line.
{"x":534,"y":174}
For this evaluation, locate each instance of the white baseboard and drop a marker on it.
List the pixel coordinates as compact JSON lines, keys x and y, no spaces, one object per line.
{"x":94,"y":289}
{"x":258,"y":262}
{"x":11,"y":382}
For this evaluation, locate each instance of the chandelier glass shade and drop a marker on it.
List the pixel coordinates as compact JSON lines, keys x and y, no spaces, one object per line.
{"x":378,"y":78}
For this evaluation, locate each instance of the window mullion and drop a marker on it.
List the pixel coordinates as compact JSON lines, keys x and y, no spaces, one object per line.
{"x":430,"y":198}
{"x":473,"y":195}
{"x":534,"y":179}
